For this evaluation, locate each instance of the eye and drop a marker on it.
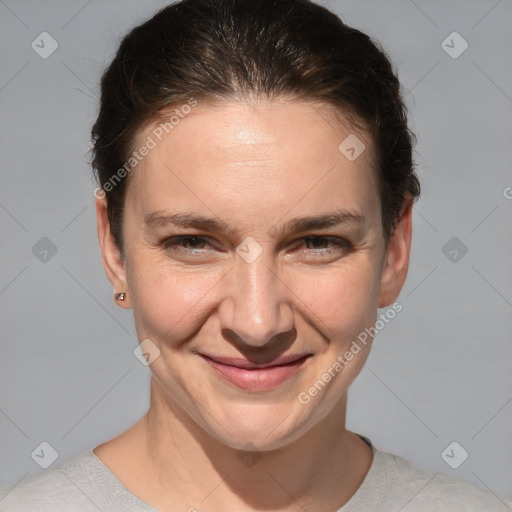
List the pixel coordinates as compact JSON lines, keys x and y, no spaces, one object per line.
{"x":188,"y":243}
{"x":320,"y":244}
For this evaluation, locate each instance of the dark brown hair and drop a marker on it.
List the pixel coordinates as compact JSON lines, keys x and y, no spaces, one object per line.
{"x":244,"y":49}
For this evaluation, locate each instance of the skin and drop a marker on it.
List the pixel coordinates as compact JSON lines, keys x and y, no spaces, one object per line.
{"x":254,"y":167}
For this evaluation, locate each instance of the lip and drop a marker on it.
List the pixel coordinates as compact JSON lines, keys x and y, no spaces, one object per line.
{"x":251,"y":376}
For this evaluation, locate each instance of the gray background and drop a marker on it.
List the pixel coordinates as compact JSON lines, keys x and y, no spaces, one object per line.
{"x":440,"y":372}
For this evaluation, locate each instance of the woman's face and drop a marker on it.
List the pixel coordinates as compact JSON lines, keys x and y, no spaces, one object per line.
{"x":276,"y":251}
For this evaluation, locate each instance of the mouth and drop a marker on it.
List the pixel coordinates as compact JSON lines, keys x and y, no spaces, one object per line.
{"x":251,"y":376}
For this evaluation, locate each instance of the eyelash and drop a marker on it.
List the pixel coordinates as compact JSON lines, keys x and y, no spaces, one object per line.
{"x":341,"y":243}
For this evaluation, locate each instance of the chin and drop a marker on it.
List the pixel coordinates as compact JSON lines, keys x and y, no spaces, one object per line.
{"x":266,"y":427}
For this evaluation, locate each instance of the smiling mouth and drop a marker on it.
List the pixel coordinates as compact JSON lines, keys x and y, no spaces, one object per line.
{"x":256,"y":376}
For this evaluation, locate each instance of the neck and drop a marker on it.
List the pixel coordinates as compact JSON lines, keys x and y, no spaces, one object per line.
{"x":319,"y":471}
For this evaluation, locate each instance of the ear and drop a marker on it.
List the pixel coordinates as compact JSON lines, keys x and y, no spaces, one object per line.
{"x":112,"y":261}
{"x":396,"y":259}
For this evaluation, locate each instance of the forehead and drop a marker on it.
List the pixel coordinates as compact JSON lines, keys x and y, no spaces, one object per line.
{"x":263,"y":158}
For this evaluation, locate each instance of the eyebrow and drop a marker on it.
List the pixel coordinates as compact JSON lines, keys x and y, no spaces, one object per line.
{"x":296,"y":225}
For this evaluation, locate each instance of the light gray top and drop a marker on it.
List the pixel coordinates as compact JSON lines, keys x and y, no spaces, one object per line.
{"x":85,"y":484}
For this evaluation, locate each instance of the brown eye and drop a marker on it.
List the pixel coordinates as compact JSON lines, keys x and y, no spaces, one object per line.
{"x":316,"y":242}
{"x":319,"y":243}
{"x":190,"y":243}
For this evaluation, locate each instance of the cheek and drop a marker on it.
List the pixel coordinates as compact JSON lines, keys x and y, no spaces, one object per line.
{"x":344,"y":298}
{"x":168,"y":302}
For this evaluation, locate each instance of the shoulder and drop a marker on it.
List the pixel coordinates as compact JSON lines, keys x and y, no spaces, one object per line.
{"x":67,"y":487}
{"x":51,"y":488}
{"x":418,"y":490}
{"x":83,"y":484}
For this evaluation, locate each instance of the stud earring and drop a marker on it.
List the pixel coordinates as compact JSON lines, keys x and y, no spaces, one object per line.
{"x":120,"y":296}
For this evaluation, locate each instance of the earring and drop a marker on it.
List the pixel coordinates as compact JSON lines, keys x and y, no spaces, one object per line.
{"x":120,"y":296}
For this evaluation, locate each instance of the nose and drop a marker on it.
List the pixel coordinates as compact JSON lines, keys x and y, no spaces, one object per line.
{"x":256,"y":308}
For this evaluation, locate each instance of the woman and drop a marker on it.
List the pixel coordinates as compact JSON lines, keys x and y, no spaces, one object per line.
{"x":254,"y":210}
